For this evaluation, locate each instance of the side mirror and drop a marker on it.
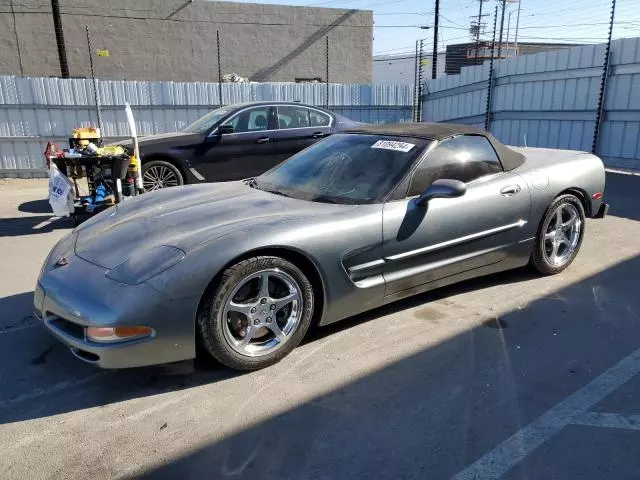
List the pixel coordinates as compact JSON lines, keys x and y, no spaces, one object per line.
{"x":444,"y":188}
{"x":225,"y":129}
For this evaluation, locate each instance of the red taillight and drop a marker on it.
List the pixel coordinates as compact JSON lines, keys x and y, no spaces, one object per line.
{"x":597,"y":196}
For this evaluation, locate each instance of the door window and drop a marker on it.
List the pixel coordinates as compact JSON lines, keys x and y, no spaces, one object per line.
{"x":292,"y":117}
{"x":465,"y":158}
{"x":250,"y":120}
{"x":319,"y":119}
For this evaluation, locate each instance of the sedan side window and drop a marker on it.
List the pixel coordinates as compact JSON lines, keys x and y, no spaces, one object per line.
{"x":292,"y":117}
{"x":251,"y":120}
{"x":465,"y":158}
{"x":319,"y":119}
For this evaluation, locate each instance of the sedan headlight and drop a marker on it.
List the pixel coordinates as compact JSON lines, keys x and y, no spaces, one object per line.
{"x":148,"y":264}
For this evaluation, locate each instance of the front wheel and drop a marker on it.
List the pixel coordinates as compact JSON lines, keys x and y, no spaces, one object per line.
{"x":158,"y":174}
{"x":260,"y":311}
{"x":560,"y":235}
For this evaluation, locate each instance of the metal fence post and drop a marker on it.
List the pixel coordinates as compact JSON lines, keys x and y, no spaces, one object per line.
{"x":420,"y":80}
{"x":219,"y":69}
{"x":414,"y":114}
{"x":327,"y":74}
{"x":95,"y":81}
{"x":603,"y":83}
{"x":487,"y":116}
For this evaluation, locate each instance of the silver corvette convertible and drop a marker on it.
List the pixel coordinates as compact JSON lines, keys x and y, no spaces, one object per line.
{"x":353,"y":222}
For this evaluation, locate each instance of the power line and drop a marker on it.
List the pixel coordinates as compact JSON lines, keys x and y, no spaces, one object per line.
{"x":219,"y":22}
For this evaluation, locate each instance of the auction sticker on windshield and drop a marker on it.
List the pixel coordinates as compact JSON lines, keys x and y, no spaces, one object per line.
{"x":392,"y":145}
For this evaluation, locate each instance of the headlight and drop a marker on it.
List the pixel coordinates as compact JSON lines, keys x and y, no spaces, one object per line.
{"x":64,"y":248}
{"x":148,"y":264}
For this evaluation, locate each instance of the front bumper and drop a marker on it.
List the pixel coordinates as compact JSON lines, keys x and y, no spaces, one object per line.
{"x":69,"y":298}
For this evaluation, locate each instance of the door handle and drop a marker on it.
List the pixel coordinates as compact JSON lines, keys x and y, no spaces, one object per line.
{"x":510,"y":190}
{"x":318,"y":135}
{"x":262,"y":140}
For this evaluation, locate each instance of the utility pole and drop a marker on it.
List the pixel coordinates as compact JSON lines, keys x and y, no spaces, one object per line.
{"x":517,"y":25}
{"x":508,"y":30}
{"x":436,"y":21}
{"x":504,"y":7}
{"x":477,"y":28}
{"x":62,"y":51}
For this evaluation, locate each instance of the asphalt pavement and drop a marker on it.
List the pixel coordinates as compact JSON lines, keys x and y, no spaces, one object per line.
{"x":512,"y":376}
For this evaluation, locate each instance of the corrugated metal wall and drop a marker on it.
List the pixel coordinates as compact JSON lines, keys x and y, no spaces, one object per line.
{"x":550,"y":100}
{"x":35,"y":110}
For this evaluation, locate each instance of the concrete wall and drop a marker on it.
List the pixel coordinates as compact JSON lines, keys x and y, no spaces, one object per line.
{"x":550,"y":100}
{"x":176,"y":40}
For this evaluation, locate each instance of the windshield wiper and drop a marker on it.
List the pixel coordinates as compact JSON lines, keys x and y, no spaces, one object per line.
{"x":252,"y":182}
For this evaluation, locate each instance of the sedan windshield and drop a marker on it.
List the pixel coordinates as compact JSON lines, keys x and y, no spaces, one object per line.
{"x":209,"y":120}
{"x":344,"y":168}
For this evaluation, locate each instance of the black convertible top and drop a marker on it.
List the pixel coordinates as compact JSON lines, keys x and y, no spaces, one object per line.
{"x":510,"y":159}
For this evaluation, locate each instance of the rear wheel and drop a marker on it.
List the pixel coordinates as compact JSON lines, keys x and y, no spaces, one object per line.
{"x":158,"y":174}
{"x":560,"y":235}
{"x":260,"y":311}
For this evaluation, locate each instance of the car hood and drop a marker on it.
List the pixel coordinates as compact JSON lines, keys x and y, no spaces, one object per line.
{"x":186,"y":217}
{"x":147,"y":140}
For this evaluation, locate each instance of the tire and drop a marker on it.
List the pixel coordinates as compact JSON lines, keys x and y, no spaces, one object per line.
{"x":223,"y":329}
{"x":159,"y":174}
{"x":547,"y":258}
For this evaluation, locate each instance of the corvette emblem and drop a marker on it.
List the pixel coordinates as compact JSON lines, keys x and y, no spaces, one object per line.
{"x":61,"y":262}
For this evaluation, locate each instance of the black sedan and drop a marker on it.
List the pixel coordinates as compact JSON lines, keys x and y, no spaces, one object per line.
{"x":234,"y":142}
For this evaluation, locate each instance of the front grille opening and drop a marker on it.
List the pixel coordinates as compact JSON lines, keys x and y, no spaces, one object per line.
{"x":67,"y":327}
{"x":84,"y":355}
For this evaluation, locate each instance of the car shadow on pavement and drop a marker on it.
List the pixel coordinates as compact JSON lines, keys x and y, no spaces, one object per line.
{"x":502,"y":278}
{"x":432,"y":413}
{"x":29,"y":225}
{"x":40,"y":363}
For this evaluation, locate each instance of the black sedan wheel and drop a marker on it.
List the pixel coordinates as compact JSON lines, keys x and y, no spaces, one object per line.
{"x":259,"y":313}
{"x":560,"y":235}
{"x":159,"y":174}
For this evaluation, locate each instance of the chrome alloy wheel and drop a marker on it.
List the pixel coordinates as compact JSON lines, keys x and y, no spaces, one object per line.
{"x":562,"y":235}
{"x":262,"y":312}
{"x":159,"y":176}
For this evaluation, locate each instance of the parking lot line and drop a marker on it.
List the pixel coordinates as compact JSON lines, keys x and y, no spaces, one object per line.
{"x":501,"y":459}
{"x":608,"y":420}
{"x":45,"y":223}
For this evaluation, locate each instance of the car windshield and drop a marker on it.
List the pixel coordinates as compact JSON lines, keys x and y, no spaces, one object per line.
{"x":209,"y":120}
{"x":344,"y":168}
